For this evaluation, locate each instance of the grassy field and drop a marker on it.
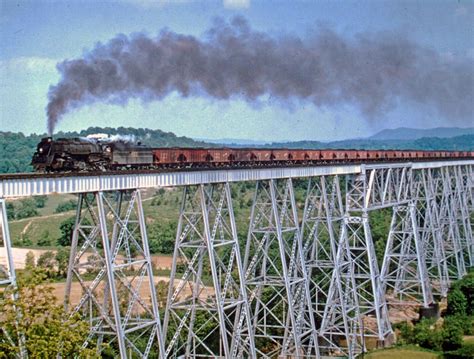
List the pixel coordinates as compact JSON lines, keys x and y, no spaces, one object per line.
{"x":401,"y":353}
{"x":159,"y":206}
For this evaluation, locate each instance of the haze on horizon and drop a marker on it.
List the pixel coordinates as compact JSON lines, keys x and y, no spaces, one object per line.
{"x":38,"y":35}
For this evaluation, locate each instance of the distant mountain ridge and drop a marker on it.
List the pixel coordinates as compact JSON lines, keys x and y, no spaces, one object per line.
{"x":406,"y":133}
{"x":234,"y":141}
{"x":458,"y":143}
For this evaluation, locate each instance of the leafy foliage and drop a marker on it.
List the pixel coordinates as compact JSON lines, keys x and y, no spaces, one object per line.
{"x":161,"y":237}
{"x":66,"y":206}
{"x":45,"y":239}
{"x":457,"y":302}
{"x":66,"y":228}
{"x":465,"y":352}
{"x":47,"y":330}
{"x":27,"y":209}
{"x":452,"y":333}
{"x":448,"y":336}
{"x":40,"y":201}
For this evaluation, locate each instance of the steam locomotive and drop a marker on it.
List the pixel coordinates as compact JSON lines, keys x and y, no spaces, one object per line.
{"x":89,"y":154}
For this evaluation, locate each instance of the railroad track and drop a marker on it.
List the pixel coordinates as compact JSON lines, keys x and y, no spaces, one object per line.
{"x":34,"y":175}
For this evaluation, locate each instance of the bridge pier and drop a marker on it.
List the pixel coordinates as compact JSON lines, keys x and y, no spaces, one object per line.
{"x":207,"y":237}
{"x":449,"y":225}
{"x":430,"y":231}
{"x":321,"y":232}
{"x":120,"y":302}
{"x":8,"y":274}
{"x":275,"y":275}
{"x":404,"y":274}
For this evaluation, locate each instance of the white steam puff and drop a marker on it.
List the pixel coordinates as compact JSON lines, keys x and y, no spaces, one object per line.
{"x":371,"y":71}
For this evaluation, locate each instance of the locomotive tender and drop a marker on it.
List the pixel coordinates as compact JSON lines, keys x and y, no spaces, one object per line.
{"x":87,"y":154}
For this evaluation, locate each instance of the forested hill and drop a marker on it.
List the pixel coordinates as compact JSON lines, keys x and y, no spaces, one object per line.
{"x":16,"y":149}
{"x":458,"y":143}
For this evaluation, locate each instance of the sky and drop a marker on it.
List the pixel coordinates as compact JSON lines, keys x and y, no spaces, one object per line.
{"x":37,"y":35}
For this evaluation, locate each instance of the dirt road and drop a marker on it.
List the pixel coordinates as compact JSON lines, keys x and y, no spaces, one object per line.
{"x":19,"y":258}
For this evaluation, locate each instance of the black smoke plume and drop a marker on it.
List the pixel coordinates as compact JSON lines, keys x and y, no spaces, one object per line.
{"x":370,"y":71}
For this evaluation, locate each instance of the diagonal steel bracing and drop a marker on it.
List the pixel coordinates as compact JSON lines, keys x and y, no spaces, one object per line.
{"x":7,"y":273}
{"x":404,"y":275}
{"x":450,"y":224}
{"x":430,"y":232}
{"x":323,"y":214}
{"x":207,"y":312}
{"x":374,"y":188}
{"x":275,"y":276}
{"x":111,"y":262}
{"x":463,"y":215}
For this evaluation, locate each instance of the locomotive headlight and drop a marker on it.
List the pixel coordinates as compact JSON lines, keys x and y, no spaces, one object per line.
{"x":40,"y":150}
{"x":108,"y":149}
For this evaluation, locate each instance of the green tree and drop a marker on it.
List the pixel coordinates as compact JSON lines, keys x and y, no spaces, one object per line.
{"x":66,"y":206}
{"x":47,"y":262}
{"x":40,"y":201}
{"x":161,"y":237}
{"x":47,"y":330}
{"x":457,"y":302}
{"x":27,"y":209}
{"x":45,"y":239}
{"x":452,"y":333}
{"x":466,"y":286}
{"x":30,"y":260}
{"x":26,"y":240}
{"x":66,"y":227}
{"x":62,"y":261}
{"x":426,"y":335}
{"x":10,"y":211}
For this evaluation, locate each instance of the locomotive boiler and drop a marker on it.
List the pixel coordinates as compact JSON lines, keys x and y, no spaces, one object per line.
{"x":88,"y":154}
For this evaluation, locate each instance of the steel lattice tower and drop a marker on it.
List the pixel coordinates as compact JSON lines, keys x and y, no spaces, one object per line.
{"x":275,"y":275}
{"x":120,"y":302}
{"x":207,"y":237}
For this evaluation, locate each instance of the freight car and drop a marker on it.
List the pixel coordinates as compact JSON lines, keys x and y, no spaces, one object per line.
{"x":85,"y":154}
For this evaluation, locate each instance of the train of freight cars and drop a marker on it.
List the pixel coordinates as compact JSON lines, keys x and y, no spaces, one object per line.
{"x":90,"y":154}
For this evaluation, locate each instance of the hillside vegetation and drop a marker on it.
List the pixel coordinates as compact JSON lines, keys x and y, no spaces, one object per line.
{"x":16,"y":149}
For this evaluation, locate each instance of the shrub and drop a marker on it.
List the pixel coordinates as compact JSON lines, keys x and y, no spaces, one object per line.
{"x":45,"y":239}
{"x":406,"y":332}
{"x":10,"y":211}
{"x":452,"y":333}
{"x":161,"y":238}
{"x":47,"y":331}
{"x":27,"y":209}
{"x":66,"y":206}
{"x":40,"y":201}
{"x":30,"y":260}
{"x":457,"y":302}
{"x":466,"y":286}
{"x":426,"y":335}
{"x":47,"y":262}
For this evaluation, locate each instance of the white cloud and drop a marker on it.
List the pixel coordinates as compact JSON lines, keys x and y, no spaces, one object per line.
{"x":29,"y":64}
{"x":236,"y":4}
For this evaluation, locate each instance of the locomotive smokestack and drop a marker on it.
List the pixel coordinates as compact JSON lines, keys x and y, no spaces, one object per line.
{"x":372,"y":71}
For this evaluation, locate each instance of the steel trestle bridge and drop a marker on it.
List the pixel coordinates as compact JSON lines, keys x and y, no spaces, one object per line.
{"x":306,"y":287}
